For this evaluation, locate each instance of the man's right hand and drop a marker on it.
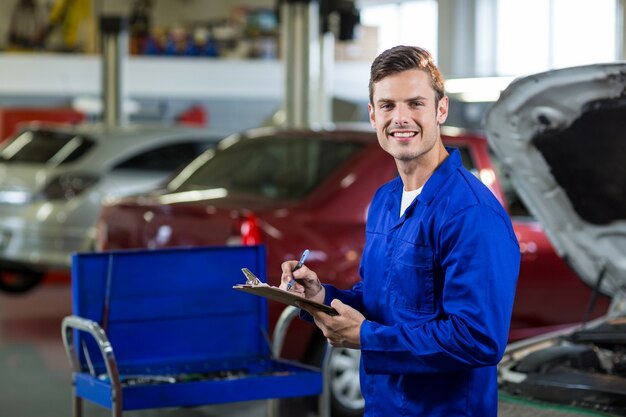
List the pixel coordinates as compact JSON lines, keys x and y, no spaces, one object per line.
{"x":306,"y":284}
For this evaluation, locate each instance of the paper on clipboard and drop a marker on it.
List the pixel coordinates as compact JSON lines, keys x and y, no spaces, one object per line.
{"x":256,"y":287}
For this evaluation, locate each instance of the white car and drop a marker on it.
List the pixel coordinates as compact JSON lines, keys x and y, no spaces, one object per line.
{"x":53,"y":180}
{"x":560,"y":135}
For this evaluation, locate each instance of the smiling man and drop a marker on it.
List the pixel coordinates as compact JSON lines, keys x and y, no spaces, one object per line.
{"x":431,"y":313}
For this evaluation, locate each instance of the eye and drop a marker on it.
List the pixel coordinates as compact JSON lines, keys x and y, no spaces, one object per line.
{"x":386,"y":106}
{"x":416,"y":104}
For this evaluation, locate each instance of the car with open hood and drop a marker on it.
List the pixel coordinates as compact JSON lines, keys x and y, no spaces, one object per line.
{"x":560,"y":137}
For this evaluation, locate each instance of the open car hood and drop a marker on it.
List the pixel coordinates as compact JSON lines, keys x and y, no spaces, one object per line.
{"x":561,"y":136}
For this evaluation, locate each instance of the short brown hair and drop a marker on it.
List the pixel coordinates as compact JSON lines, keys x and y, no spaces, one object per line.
{"x":402,"y":58}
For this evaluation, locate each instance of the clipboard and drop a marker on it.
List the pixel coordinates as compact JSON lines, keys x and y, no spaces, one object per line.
{"x":254,"y":286}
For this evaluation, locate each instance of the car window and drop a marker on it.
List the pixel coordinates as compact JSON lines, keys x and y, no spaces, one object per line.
{"x":466,"y":159}
{"x":165,"y":158}
{"x":281,"y":168}
{"x":38,"y":146}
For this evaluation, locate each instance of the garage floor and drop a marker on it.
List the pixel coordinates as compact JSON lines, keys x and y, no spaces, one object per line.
{"x":35,"y":373}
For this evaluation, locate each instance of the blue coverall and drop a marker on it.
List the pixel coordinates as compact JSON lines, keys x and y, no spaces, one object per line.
{"x":437,"y":292}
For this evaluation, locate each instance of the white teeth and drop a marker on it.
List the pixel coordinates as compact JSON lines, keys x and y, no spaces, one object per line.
{"x":404,"y":134}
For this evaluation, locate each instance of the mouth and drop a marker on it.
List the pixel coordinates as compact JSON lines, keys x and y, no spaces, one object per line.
{"x":403,"y":135}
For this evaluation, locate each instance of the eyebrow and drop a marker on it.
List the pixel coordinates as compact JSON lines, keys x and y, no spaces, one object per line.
{"x":387,"y":100}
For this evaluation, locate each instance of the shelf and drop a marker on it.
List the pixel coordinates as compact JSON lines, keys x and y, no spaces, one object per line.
{"x":69,"y":75}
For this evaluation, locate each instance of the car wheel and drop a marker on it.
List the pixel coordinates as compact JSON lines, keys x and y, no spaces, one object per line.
{"x":345,"y":389}
{"x":16,"y":282}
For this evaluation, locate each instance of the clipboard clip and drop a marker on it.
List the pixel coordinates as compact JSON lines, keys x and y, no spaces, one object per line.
{"x":251,"y":279}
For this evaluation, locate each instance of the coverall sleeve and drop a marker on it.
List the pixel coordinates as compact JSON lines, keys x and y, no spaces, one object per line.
{"x":479,"y":257}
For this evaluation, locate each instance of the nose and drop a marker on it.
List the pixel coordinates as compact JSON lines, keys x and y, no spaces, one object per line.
{"x":401,"y":116}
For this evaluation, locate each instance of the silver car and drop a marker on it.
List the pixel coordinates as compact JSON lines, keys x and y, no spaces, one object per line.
{"x":53,"y":180}
{"x":560,"y":134}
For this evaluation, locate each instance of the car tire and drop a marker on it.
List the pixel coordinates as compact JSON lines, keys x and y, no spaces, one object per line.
{"x":19,"y":281}
{"x":345,"y":391}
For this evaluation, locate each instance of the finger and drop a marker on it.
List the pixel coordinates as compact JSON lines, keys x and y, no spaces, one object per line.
{"x":346,"y":311}
{"x":296,"y":289}
{"x":301,"y":274}
{"x":284,"y":283}
{"x":286,"y":268}
{"x":294,"y":285}
{"x":321,"y":319}
{"x":340,"y":307}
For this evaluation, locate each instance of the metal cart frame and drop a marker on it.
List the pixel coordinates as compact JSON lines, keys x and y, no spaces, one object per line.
{"x":143,"y":318}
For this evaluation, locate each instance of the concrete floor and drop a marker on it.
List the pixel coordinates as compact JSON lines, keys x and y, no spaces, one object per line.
{"x":35,"y":373}
{"x":34,"y":370}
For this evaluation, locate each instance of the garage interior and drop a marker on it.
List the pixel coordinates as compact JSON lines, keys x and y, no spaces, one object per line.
{"x":308,"y":69}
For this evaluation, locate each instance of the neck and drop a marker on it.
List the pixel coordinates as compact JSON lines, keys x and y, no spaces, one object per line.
{"x":415,"y":173}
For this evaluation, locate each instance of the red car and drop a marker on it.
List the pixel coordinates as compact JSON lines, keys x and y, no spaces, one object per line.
{"x":291,"y":190}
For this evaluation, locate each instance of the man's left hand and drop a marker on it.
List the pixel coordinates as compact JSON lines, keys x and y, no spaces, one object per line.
{"x":342,"y":330}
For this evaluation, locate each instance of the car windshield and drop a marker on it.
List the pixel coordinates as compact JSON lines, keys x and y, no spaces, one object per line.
{"x":35,"y":146}
{"x":274,"y":167}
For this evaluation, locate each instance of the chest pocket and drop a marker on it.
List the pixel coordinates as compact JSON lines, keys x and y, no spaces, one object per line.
{"x":412,"y":278}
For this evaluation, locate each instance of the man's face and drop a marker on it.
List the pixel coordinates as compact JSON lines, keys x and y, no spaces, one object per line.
{"x":405,"y":116}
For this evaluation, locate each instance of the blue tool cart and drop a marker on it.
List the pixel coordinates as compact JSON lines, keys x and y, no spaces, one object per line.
{"x":165,"y":328}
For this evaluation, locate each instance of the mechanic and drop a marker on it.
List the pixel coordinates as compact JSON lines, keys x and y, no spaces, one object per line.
{"x":432,"y":310}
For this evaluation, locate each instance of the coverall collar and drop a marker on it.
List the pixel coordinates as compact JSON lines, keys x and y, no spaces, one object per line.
{"x":441,"y":174}
{"x":432,"y":185}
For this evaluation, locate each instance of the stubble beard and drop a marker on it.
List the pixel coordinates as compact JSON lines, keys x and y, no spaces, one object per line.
{"x":408,"y":155}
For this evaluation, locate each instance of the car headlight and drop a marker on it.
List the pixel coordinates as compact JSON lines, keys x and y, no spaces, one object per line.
{"x":68,"y":186}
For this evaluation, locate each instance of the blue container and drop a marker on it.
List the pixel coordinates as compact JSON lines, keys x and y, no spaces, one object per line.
{"x":180,"y":333}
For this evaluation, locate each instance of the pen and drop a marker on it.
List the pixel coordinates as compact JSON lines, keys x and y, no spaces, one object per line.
{"x":305,"y":255}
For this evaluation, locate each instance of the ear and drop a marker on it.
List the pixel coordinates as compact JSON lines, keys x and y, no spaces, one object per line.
{"x":442,"y":110}
{"x":370,"y":110}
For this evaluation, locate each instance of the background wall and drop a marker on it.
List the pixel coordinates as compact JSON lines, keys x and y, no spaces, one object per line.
{"x":236,"y":92}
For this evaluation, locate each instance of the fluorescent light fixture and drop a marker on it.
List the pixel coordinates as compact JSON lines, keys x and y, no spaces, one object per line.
{"x":14,"y":197}
{"x":481,"y":89}
{"x":94,"y":106}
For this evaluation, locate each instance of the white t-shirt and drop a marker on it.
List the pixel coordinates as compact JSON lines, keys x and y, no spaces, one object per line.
{"x":407,"y":199}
